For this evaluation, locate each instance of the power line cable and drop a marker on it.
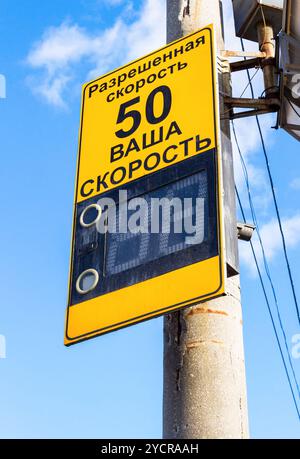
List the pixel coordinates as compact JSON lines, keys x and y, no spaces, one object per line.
{"x":245,"y":89}
{"x":249,"y":82}
{"x":270,"y":311}
{"x":275,"y":200}
{"x":254,"y":218}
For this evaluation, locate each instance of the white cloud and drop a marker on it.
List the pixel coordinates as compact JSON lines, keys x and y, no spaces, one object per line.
{"x":271,"y":238}
{"x":61,"y":48}
{"x":51,"y":89}
{"x":295,"y":184}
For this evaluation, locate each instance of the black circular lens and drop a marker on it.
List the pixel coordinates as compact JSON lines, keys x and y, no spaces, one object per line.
{"x":90,"y":215}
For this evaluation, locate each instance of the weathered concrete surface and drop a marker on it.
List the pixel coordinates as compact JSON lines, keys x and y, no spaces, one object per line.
{"x":204,"y":370}
{"x":204,"y":378}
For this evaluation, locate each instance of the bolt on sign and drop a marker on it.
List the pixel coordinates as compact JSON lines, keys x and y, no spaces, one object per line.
{"x":147,"y":232}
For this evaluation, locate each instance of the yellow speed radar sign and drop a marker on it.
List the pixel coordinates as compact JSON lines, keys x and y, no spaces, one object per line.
{"x":147,"y":231}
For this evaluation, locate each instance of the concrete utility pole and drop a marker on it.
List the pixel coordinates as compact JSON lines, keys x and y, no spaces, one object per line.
{"x":204,"y":371}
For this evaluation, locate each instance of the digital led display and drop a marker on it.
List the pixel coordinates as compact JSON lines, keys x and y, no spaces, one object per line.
{"x":181,"y":216}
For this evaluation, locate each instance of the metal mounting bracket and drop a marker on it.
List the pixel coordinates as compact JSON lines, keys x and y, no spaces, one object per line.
{"x":254,"y":60}
{"x":256,"y":54}
{"x":255,"y":106}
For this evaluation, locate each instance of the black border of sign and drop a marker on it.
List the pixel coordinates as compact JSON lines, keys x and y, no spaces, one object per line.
{"x":188,"y":303}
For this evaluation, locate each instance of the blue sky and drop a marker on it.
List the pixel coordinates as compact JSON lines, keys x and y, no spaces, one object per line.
{"x":110,"y":387}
